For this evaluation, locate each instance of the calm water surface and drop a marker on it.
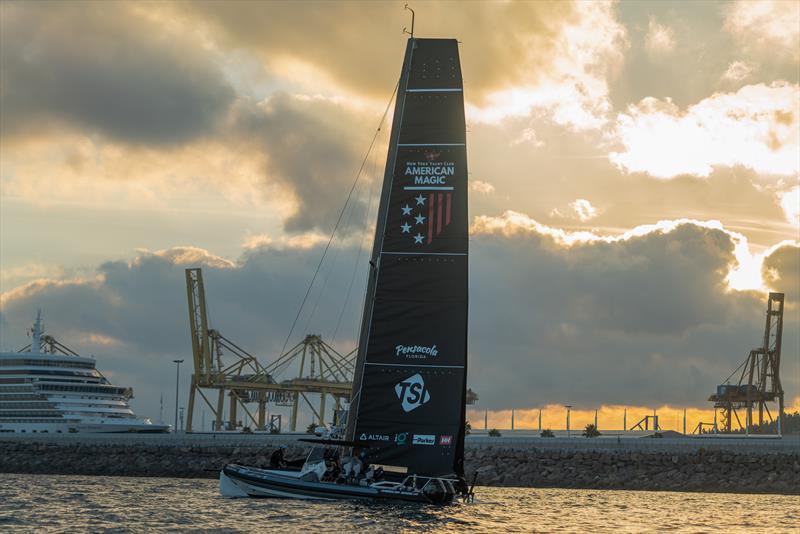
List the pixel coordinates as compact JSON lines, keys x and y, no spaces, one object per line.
{"x":47,"y":503}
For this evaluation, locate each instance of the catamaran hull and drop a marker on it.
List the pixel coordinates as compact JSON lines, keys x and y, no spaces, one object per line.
{"x":238,"y":481}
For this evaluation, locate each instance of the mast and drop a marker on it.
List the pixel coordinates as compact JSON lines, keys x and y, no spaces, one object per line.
{"x":378,"y":241}
{"x":410,"y":380}
{"x":36,"y":337}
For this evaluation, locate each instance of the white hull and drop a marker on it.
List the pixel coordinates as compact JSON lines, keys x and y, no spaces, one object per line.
{"x":81,"y":428}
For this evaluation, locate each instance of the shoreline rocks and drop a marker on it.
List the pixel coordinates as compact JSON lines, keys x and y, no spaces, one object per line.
{"x":699,"y":470}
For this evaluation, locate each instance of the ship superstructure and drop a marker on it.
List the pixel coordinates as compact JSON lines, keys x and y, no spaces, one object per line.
{"x":47,"y":388}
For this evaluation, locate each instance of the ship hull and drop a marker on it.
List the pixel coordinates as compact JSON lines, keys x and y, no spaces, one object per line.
{"x":136,"y":427}
{"x":239,"y":481}
{"x":48,"y":388}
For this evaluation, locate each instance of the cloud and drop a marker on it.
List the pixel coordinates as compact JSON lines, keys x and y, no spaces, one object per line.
{"x":660,"y":39}
{"x":583,"y":209}
{"x":363,"y":58}
{"x":313,"y":148}
{"x":12,"y":276}
{"x":107,"y":71}
{"x":573,"y":91}
{"x":292,"y":156}
{"x":191,"y":256}
{"x":781,"y":270}
{"x":579,"y":209}
{"x":642,"y":318}
{"x":790,"y":202}
{"x":125,"y":106}
{"x":766,"y":24}
{"x":738,"y":71}
{"x":133,"y":315}
{"x":528,"y":136}
{"x":757,"y":127}
{"x":742,"y":274}
{"x":551,"y":57}
{"x":477,"y":186}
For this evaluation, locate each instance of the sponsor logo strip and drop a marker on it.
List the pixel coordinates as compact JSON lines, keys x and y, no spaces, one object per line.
{"x":373,"y":437}
{"x":423,"y":439}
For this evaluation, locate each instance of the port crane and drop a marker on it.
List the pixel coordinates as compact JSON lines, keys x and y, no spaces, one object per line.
{"x":759,"y":381}
{"x":225,"y":367}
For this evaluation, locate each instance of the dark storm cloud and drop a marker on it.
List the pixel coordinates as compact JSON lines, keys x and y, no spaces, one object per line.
{"x":142,"y":304}
{"x":647,"y":320}
{"x":351,"y":41}
{"x":140,"y":307}
{"x":781,"y":271}
{"x":119,"y":74}
{"x":313,"y":147}
{"x":110,"y":71}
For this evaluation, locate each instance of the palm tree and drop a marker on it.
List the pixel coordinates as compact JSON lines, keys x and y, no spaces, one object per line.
{"x":591,"y":431}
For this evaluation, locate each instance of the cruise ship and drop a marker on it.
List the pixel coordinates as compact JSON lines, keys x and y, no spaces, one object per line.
{"x":48,"y":388}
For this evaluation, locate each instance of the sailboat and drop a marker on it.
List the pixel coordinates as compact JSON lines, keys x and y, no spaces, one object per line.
{"x":405,"y":429}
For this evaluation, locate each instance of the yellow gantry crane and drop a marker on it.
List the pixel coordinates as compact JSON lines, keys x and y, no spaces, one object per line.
{"x":222,"y":365}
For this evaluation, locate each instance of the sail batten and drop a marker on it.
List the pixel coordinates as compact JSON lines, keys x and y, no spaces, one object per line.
{"x":410,"y":384}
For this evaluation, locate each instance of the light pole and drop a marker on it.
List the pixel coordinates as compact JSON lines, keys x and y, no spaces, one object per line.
{"x":177,"y":385}
{"x":567,"y":406}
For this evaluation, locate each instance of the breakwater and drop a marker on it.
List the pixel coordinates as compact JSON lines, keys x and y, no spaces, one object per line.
{"x":766,"y":467}
{"x":700,"y":470}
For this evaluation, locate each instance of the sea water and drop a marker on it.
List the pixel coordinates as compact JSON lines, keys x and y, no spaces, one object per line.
{"x":51,"y":503}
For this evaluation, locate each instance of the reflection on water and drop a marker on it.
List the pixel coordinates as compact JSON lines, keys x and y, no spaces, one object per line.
{"x":47,"y":503}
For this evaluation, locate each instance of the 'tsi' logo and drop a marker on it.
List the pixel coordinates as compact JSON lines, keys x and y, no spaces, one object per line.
{"x":412,"y":392}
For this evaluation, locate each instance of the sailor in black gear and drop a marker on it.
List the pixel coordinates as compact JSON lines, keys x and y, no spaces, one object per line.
{"x":277,"y":461}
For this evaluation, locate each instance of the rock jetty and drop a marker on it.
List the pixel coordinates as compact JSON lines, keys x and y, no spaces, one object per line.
{"x":701,"y":470}
{"x":696,"y":470}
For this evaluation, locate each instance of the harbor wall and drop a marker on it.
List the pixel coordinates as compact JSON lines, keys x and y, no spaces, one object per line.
{"x":751,"y":466}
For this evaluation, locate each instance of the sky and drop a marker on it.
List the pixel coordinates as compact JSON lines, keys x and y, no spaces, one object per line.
{"x":634,"y":178}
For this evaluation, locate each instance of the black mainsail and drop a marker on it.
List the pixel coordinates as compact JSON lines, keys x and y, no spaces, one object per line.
{"x":410,"y":381}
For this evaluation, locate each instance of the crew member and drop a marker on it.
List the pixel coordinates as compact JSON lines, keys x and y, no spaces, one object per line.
{"x":276,"y":460}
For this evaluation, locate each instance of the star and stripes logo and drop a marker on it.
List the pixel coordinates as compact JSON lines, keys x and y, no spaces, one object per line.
{"x":426,"y":216}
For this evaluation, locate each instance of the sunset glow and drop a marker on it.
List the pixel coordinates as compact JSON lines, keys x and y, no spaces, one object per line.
{"x":633,"y":167}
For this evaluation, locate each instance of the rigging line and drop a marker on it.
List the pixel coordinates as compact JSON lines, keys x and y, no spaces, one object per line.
{"x":338,"y":250}
{"x":737,"y":369}
{"x":364,"y":233}
{"x":341,"y":213}
{"x":322,"y":289}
